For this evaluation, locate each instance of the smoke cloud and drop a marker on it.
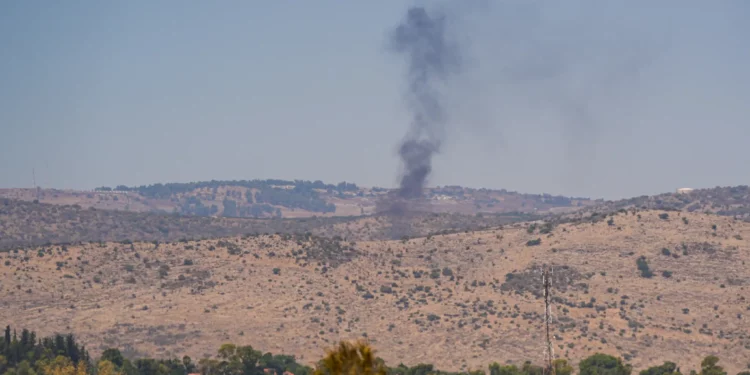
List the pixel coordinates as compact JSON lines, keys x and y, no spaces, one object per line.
{"x":432,"y":58}
{"x":558,"y":87}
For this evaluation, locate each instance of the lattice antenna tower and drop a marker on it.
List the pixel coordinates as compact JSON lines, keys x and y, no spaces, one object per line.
{"x":549,"y":352}
{"x":37,"y":190}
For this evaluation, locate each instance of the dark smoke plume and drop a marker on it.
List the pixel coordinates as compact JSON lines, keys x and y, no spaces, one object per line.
{"x":422,"y":40}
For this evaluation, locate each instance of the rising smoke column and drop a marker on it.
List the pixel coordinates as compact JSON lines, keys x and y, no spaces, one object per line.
{"x":421,"y":39}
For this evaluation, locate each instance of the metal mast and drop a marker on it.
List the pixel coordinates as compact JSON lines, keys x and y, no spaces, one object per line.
{"x":549,"y":352}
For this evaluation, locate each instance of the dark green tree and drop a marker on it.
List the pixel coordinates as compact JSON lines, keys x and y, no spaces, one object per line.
{"x":420,"y":369}
{"x":230,"y":208}
{"x":187,"y":362}
{"x":603,"y":364}
{"x":709,"y":366}
{"x":668,"y":368}
{"x":562,"y":367}
{"x":497,"y":369}
{"x":643,"y":267}
{"x":114,"y":356}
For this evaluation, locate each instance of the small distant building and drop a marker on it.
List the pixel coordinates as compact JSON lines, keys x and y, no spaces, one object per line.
{"x":685,"y":190}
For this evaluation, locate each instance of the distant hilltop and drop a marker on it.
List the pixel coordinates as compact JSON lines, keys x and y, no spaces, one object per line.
{"x":102,"y":191}
{"x":291,"y":199}
{"x":733,"y":201}
{"x":301,"y":199}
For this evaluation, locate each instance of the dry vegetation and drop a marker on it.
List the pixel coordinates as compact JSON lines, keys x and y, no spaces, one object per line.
{"x":458,"y":300}
{"x":298,"y":199}
{"x":32,"y":224}
{"x":733,"y":201}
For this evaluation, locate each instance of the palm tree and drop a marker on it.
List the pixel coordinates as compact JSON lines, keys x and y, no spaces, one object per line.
{"x":351,"y":358}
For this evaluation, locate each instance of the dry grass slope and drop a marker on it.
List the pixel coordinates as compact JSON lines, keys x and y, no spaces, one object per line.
{"x":34,"y":224}
{"x":458,"y":300}
{"x":733,"y":201}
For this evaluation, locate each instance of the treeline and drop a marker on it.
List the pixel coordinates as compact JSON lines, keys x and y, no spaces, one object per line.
{"x":28,"y":355}
{"x":294,"y":198}
{"x":26,"y":224}
{"x":164,"y":191}
{"x":61,"y":355}
{"x":722,"y":200}
{"x":194,"y":206}
{"x":302,"y":195}
{"x":554,"y":200}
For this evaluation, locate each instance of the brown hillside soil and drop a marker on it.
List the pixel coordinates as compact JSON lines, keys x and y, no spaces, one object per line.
{"x":459,"y":300}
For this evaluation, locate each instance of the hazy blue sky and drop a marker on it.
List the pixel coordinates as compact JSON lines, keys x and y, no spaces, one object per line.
{"x":588,"y":98}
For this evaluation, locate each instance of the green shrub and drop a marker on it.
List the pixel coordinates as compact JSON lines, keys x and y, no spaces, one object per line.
{"x":668,"y":368}
{"x":643,"y":267}
{"x":601,"y":364}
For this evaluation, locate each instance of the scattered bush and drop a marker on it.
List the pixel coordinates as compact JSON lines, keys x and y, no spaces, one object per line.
{"x":603,"y":364}
{"x":643,"y":267}
{"x":163,"y":271}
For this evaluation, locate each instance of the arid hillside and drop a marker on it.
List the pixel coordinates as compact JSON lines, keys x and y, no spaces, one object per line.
{"x":27,"y":224}
{"x":733,"y":201}
{"x":646,"y":285}
{"x":24,"y":224}
{"x":288,"y":199}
